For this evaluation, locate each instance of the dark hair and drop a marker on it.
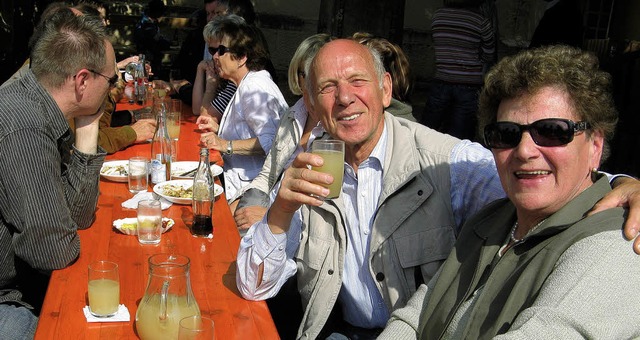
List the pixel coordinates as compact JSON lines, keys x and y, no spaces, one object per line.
{"x":155,"y":9}
{"x":245,"y":40}
{"x":243,"y":8}
{"x":575,"y":71}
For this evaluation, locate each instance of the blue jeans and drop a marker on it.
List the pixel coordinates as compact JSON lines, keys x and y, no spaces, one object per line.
{"x":452,"y":108}
{"x":17,"y":322}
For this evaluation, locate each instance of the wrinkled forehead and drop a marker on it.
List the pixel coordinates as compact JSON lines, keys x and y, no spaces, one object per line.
{"x":341,"y":60}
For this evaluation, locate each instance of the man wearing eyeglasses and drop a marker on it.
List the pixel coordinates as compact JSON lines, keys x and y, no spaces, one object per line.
{"x":48,"y":179}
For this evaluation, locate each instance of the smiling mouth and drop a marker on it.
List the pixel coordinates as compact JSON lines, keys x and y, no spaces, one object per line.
{"x":527,"y":174}
{"x":349,"y":118}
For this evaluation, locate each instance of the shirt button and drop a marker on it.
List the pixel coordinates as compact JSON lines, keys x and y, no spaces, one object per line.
{"x":420,"y":192}
{"x":280,"y":248}
{"x":363,"y":194}
{"x":330,"y":272}
{"x":366,"y":232}
{"x":380,"y":276}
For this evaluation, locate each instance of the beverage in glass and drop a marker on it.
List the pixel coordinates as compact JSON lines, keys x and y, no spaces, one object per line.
{"x":149,"y":222}
{"x":196,"y":327}
{"x":103,"y":288}
{"x":138,"y":174}
{"x":332,"y":152}
{"x":173,"y":119}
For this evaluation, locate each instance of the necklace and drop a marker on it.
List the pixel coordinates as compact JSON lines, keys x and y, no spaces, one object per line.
{"x":515,"y":226}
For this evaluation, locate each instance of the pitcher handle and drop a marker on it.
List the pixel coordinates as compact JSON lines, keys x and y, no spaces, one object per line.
{"x":163,"y":300}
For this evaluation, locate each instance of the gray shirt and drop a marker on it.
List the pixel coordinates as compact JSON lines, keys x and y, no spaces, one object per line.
{"x":48,"y":189}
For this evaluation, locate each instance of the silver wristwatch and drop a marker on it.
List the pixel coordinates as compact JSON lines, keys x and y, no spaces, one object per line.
{"x":229,"y":147}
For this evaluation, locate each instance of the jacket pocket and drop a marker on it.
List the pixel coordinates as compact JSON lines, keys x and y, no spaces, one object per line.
{"x":425,"y":246}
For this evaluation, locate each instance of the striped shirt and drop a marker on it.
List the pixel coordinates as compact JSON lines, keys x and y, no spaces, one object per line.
{"x":223,"y":97}
{"x":47,"y":192}
{"x":463,"y":41}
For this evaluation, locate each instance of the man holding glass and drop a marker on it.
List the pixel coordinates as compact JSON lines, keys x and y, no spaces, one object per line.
{"x":406,"y":191}
{"x":48,"y":178}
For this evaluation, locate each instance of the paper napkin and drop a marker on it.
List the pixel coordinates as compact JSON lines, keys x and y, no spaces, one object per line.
{"x":132,"y":203}
{"x":121,"y":316}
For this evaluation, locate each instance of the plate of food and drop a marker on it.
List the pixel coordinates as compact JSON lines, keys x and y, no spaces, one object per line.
{"x":180,"y":191}
{"x":129,"y":225}
{"x":187,"y":169}
{"x":116,"y":171}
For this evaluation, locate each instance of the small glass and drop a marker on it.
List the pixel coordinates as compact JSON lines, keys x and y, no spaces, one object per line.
{"x":196,"y":327}
{"x":138,"y":174}
{"x":173,"y":119}
{"x":332,"y":152}
{"x":149,"y":222}
{"x":103,"y":289}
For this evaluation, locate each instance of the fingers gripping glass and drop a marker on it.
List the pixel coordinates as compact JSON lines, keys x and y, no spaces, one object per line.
{"x":112,"y":80}
{"x":544,"y":132}
{"x":221,"y":49}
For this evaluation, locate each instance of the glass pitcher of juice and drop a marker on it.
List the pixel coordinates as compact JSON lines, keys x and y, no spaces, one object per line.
{"x":167,"y":299}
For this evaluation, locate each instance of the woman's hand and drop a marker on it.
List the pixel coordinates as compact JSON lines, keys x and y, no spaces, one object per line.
{"x":207,"y":123}
{"x":211,"y":141}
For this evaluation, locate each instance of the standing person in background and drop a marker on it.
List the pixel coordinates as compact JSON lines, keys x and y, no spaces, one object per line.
{"x":249,"y":123}
{"x":72,"y":70}
{"x":147,"y":37}
{"x":463,"y":40}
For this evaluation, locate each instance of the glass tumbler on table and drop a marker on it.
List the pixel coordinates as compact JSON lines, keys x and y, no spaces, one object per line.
{"x":103,"y":289}
{"x":196,"y":327}
{"x":149,"y":221}
{"x":138,"y":174}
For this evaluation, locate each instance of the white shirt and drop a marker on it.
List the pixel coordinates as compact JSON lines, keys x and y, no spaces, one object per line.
{"x":253,"y":112}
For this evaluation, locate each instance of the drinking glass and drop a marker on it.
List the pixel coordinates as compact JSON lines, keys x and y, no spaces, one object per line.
{"x":196,"y":327}
{"x":332,"y":152}
{"x":173,"y":119}
{"x":149,"y":221}
{"x":138,"y":177}
{"x":103,"y":289}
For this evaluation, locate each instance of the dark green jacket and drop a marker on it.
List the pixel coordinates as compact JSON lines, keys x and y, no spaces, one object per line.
{"x":513,"y":282}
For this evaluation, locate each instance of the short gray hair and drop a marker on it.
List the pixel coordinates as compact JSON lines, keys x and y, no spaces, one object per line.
{"x":67,"y":43}
{"x":378,"y":65}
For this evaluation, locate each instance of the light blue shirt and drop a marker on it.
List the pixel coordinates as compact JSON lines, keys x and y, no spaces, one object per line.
{"x":362,"y":302}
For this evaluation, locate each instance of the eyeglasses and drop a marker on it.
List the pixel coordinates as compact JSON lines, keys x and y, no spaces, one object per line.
{"x":221,"y":49}
{"x":112,"y":80}
{"x":544,"y":132}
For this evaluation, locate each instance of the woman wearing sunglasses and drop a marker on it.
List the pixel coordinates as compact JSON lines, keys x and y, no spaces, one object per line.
{"x":248,"y":125}
{"x":534,"y":265}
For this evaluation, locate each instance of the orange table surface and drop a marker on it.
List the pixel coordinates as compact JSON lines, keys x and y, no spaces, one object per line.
{"x":212,"y":271}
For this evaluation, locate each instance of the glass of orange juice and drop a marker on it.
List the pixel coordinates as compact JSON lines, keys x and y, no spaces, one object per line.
{"x":104,"y":289}
{"x":332,"y":152}
{"x":173,"y":119}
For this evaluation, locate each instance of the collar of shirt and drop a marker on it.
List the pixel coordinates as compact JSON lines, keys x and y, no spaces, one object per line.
{"x":362,"y":303}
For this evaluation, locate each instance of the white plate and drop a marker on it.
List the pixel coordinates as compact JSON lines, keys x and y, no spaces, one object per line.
{"x":107,"y":170}
{"x":178,"y":168}
{"x":185,"y":184}
{"x":129,"y":225}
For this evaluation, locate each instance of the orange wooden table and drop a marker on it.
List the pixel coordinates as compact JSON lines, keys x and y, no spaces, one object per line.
{"x":212,"y":272}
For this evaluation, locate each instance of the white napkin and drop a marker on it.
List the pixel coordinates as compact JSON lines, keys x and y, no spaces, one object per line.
{"x":132,"y":203}
{"x":121,"y":315}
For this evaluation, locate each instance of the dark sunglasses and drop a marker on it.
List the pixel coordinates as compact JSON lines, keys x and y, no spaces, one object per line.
{"x":112,"y":80}
{"x":221,"y":49}
{"x":544,"y":132}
